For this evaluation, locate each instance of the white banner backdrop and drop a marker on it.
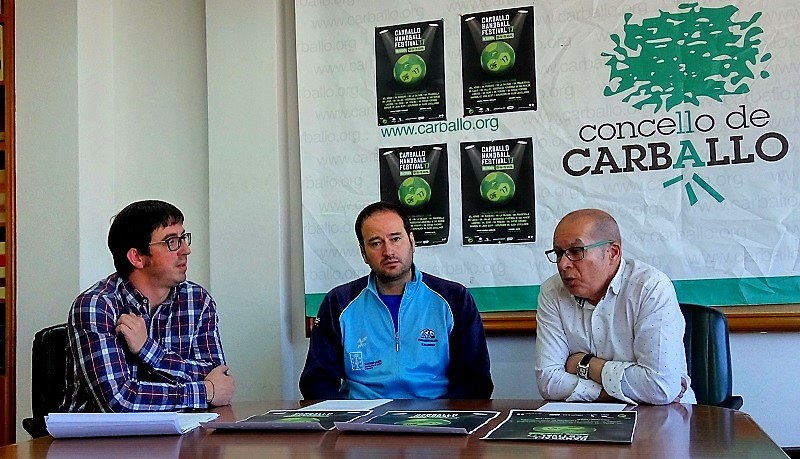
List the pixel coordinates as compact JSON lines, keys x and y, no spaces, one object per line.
{"x":681,"y":120}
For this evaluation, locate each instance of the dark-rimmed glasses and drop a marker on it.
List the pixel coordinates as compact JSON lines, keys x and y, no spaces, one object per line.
{"x":572,"y":253}
{"x":174,"y":242}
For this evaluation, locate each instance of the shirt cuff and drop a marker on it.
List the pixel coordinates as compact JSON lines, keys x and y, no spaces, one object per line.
{"x":586,"y":391}
{"x":613,"y":373}
{"x":194,"y":395}
{"x":151,"y":353}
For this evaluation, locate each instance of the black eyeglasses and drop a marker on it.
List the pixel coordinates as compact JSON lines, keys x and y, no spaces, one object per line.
{"x":572,"y":253}
{"x":174,"y":242}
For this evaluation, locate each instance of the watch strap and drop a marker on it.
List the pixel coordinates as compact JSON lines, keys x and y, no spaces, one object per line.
{"x":583,"y":366}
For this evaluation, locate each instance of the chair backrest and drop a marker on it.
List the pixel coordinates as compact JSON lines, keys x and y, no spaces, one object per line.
{"x":48,"y":376}
{"x":708,"y":356}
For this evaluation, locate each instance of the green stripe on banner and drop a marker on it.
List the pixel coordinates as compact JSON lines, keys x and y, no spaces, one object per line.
{"x":745,"y":291}
{"x":709,"y":292}
{"x":496,"y":299}
{"x":313,"y":300}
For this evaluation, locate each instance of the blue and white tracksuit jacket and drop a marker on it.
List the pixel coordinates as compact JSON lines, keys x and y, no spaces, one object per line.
{"x":439,"y":351}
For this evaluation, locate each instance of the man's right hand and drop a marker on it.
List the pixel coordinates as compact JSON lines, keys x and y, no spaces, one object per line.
{"x":134,"y":330}
{"x":223,"y":386}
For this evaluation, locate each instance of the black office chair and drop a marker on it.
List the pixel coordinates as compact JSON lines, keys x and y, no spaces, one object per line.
{"x":708,"y":356}
{"x":48,"y":376}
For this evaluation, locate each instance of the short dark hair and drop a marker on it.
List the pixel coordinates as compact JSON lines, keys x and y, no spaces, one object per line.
{"x":133,"y":226}
{"x":374,"y":208}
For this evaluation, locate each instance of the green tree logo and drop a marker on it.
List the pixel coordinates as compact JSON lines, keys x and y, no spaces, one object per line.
{"x":681,"y":57}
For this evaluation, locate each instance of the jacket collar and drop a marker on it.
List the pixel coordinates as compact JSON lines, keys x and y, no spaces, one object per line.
{"x":411,"y":286}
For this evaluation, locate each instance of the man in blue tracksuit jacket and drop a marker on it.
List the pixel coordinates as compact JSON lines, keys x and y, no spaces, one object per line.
{"x":398,"y":332}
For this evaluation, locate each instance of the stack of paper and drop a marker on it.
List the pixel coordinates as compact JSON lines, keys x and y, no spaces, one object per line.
{"x":64,"y":425}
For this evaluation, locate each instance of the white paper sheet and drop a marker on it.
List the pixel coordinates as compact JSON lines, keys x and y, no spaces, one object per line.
{"x":64,"y":425}
{"x":346,"y":405}
{"x":567,"y":407}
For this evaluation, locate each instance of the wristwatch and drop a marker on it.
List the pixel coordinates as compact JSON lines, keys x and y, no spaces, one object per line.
{"x":583,"y":366}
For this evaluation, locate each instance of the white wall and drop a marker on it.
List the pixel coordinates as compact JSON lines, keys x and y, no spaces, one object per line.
{"x":117,"y":101}
{"x":111,"y":108}
{"x":48,"y":248}
{"x":141,"y":119}
{"x":249,"y":179}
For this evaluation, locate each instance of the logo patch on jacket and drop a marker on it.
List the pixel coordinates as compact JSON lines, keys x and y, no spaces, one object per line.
{"x":427,"y":337}
{"x":356,"y":361}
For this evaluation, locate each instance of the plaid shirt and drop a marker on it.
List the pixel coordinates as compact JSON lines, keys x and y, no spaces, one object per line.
{"x":183,"y":346}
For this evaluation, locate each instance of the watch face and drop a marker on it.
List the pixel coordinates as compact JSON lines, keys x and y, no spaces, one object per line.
{"x":583,"y":366}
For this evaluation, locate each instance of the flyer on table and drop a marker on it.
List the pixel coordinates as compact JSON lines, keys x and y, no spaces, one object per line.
{"x":436,"y":421}
{"x":614,"y":427}
{"x":291,"y":420}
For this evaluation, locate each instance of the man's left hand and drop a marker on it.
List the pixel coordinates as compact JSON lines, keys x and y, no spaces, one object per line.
{"x":684,"y":386}
{"x":134,"y":330}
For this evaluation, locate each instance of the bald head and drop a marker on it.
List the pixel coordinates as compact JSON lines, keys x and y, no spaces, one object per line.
{"x":599,"y":224}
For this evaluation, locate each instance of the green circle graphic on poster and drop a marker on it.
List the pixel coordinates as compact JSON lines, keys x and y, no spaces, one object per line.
{"x":564,"y":429}
{"x":298,"y":419}
{"x":498,"y":57}
{"x":410,"y":69}
{"x":497,"y":187}
{"x":414,"y":192}
{"x":424,"y":422}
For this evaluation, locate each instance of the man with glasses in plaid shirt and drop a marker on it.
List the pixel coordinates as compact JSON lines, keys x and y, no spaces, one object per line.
{"x":145,"y":338}
{"x":608,"y":329}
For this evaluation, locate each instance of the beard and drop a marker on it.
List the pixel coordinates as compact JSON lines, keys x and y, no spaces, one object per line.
{"x":387,"y":277}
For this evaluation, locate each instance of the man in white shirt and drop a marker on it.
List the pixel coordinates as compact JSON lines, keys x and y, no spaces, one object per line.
{"x":608,"y":329}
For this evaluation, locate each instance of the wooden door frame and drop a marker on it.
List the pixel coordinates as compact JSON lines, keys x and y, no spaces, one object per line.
{"x":9,"y":402}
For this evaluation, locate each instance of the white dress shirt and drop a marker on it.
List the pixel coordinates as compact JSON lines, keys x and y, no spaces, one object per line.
{"x":637,"y":326}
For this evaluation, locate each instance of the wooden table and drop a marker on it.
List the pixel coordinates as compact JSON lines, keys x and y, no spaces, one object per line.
{"x":672,"y":431}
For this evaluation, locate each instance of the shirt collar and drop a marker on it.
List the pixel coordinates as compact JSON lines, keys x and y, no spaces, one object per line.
{"x":136,"y":297}
{"x":133,"y":297}
{"x":614,"y":287}
{"x":616,"y":282}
